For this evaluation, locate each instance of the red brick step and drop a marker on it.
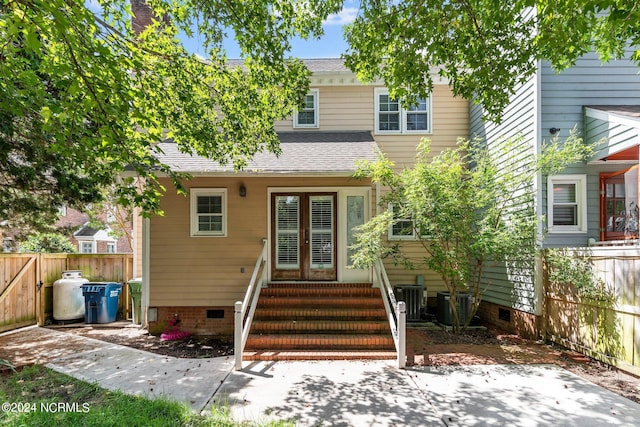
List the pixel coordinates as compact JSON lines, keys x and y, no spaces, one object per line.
{"x":320,"y":321}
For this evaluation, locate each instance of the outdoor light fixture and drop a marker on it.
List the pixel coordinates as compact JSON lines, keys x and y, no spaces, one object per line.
{"x":553,"y":131}
{"x":243,"y":190}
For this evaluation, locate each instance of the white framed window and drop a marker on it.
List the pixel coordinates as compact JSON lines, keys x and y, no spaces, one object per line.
{"x":208,"y":212}
{"x":567,"y":203}
{"x":308,"y":116}
{"x":86,"y":247}
{"x":391,"y":117}
{"x":402,"y":227}
{"x":111,"y":248}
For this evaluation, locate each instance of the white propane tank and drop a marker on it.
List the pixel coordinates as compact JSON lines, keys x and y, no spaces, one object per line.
{"x":68,"y":301}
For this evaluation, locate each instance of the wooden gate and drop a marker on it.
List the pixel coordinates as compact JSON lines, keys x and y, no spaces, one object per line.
{"x":26,"y":283}
{"x":18,"y":290}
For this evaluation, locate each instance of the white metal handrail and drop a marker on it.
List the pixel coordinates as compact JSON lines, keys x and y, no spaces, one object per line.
{"x":242,"y":325}
{"x":396,"y":313}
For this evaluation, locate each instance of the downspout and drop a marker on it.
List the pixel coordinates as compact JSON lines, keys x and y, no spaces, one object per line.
{"x":146,"y":236}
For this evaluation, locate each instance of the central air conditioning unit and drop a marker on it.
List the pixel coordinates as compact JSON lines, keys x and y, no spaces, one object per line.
{"x":412,"y":295}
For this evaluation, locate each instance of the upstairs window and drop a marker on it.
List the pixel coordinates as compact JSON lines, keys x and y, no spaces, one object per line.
{"x":391,"y":117}
{"x":566,"y":202}
{"x":208,"y":211}
{"x":619,"y":205}
{"x":307,"y":116}
{"x":388,"y":114}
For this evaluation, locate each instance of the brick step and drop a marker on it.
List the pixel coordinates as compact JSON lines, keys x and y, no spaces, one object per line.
{"x":319,"y":342}
{"x":325,"y":285}
{"x":320,"y":321}
{"x":368,"y":292}
{"x":306,"y":313}
{"x":318,"y":355}
{"x":301,"y":302}
{"x":320,"y":326}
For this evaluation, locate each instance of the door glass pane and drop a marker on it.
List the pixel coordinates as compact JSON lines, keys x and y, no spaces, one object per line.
{"x":287,"y":232}
{"x":321,"y":231}
{"x":355,"y":218}
{"x":621,"y":205}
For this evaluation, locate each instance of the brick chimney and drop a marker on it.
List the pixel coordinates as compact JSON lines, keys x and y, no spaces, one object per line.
{"x":143,"y":16}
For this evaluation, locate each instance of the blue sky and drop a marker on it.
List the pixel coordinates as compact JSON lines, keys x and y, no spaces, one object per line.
{"x":330,"y":45}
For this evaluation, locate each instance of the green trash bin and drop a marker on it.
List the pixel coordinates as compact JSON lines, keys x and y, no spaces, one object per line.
{"x":135,"y":289}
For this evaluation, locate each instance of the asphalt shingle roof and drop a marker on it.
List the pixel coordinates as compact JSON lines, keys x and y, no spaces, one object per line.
{"x":85,"y":231}
{"x":302,"y":152}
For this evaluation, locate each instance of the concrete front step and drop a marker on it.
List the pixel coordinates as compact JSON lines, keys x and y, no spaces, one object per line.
{"x":318,"y":355}
{"x":320,"y":326}
{"x":317,"y":342}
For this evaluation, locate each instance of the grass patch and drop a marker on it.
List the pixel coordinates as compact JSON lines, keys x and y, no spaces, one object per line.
{"x":43,"y":397}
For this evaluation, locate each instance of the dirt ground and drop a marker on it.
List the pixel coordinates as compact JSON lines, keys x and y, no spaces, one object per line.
{"x":424,"y":347}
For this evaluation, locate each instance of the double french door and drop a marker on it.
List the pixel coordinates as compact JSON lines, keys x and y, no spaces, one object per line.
{"x":303,"y":241}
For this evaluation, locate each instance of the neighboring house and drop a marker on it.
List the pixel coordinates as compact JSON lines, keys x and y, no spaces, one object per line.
{"x":89,"y":240}
{"x":595,"y":203}
{"x":305,"y":203}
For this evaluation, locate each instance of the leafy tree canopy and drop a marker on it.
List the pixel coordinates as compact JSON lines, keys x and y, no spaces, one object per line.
{"x":469,"y":206}
{"x":52,"y":243}
{"x":485,"y":48}
{"x":83,"y":98}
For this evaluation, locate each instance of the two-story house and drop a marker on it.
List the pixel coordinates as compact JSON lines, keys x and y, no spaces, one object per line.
{"x":589,"y":204}
{"x":304,"y":203}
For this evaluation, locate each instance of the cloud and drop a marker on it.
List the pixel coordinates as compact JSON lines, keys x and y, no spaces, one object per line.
{"x":346,"y":16}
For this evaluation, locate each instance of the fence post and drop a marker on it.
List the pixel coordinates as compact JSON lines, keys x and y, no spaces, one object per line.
{"x":237,"y":335}
{"x":402,"y":334}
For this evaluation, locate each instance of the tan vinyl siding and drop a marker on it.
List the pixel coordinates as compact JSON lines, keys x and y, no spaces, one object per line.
{"x":352,"y":108}
{"x":341,"y":108}
{"x":449,"y":122}
{"x":202,"y":271}
{"x":399,"y":275}
{"x":206,"y":271}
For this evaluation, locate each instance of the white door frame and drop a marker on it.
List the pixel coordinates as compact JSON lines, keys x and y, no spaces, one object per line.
{"x":343,"y":272}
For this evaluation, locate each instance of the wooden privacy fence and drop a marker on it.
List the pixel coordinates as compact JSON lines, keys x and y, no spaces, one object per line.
{"x":609,"y":332}
{"x":26,"y":283}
